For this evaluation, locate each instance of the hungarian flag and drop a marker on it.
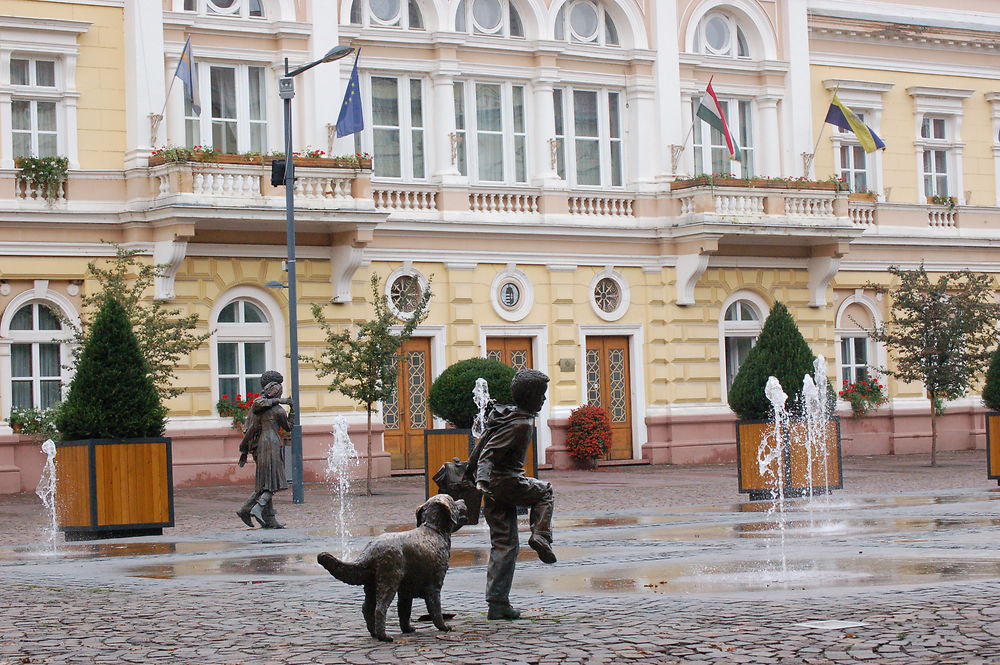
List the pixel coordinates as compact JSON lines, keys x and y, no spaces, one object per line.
{"x":711,"y":112}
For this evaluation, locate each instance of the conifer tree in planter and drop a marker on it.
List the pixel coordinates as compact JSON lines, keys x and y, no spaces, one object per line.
{"x":783,"y":353}
{"x":991,"y":398}
{"x":112,"y":426}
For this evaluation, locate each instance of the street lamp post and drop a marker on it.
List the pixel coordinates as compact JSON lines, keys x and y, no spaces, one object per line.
{"x":286,"y":90}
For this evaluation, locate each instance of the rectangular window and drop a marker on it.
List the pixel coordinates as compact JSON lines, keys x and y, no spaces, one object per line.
{"x":494,"y":131}
{"x":936,"y":172}
{"x":560,"y":146}
{"x":34,"y":128}
{"x":460,"y":152}
{"x":854,"y":167}
{"x":854,"y":359}
{"x":240,"y":367}
{"x":35,"y":375}
{"x":933,"y":128}
{"x":233,"y":118}
{"x":397,"y":112}
{"x":711,"y":154}
{"x":589,"y":135}
{"x":737,"y":349}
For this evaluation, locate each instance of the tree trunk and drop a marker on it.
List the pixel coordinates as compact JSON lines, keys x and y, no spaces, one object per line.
{"x":933,"y":429}
{"x":368,"y":480}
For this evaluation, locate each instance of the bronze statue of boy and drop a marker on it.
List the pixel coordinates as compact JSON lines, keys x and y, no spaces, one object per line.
{"x":265,"y":420}
{"x":497,"y":468}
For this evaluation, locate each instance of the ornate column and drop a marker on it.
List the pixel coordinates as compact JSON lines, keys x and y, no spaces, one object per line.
{"x":769,"y":151}
{"x":444,"y":157}
{"x":544,"y":164}
{"x":6,"y":115}
{"x":641,"y":96}
{"x":173,"y":133}
{"x":145,"y":84}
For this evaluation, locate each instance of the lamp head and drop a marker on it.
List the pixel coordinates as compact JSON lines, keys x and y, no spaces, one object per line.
{"x":337,"y":52}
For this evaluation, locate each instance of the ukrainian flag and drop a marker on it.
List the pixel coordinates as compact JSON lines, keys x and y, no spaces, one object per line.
{"x":843,"y":117}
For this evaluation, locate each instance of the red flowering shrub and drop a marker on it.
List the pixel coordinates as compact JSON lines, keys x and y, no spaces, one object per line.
{"x":236,"y":408}
{"x":865,"y":395}
{"x":589,"y":434}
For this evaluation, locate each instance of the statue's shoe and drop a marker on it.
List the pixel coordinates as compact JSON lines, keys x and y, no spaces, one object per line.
{"x":244,"y":515}
{"x":502,"y":611}
{"x":542,"y":548}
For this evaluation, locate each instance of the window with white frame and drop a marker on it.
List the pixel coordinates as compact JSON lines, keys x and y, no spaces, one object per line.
{"x":589,"y":137}
{"x":497,"y":18}
{"x":243,"y":345}
{"x":935,"y":143}
{"x":854,"y":162}
{"x":398,"y":133}
{"x":37,"y":355}
{"x":403,"y":14}
{"x":854,"y":357}
{"x":238,"y":8}
{"x":586,"y":22}
{"x":741,"y":325}
{"x":34,"y":106}
{"x":235,"y":119}
{"x":711,"y":155}
{"x":720,"y":34}
{"x":491,"y":126}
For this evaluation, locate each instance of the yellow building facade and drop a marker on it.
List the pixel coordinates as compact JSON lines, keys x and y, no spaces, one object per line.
{"x":535,"y":163}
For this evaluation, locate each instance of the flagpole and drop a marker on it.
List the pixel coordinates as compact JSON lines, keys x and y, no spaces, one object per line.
{"x":683,"y":144}
{"x":819,"y":137}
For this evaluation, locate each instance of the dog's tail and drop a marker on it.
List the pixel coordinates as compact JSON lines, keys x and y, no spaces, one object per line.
{"x":349,"y":573}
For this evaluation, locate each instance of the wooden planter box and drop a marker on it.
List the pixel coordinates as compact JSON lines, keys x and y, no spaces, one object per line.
{"x":322,"y":162}
{"x":862,"y":197}
{"x":112,"y":488}
{"x":760,"y":183}
{"x":750,"y":434}
{"x":993,"y":446}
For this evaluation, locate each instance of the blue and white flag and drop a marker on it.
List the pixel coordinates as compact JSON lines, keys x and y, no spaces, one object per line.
{"x":352,"y":117}
{"x":185,"y":72}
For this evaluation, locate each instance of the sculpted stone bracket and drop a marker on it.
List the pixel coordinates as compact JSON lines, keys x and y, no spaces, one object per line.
{"x":823,"y":266}
{"x":346,"y":255}
{"x":169,"y":253}
{"x":691,"y":265}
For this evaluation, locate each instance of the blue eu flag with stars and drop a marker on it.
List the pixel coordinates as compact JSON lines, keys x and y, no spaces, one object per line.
{"x":352,"y":117}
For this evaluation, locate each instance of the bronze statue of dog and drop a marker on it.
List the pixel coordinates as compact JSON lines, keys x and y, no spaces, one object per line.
{"x":411,"y":563}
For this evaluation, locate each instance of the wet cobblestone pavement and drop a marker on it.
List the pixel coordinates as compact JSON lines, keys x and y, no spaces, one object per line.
{"x":658,"y":565}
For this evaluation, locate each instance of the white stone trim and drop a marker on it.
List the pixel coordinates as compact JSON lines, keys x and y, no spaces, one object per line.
{"x":762,"y":39}
{"x":880,"y":360}
{"x":278,"y":323}
{"x":637,"y":373}
{"x":624,"y":291}
{"x":738,"y":329}
{"x":406,"y":269}
{"x":524,"y":285}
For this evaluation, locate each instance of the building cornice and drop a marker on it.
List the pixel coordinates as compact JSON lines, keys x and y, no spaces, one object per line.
{"x":44,"y":24}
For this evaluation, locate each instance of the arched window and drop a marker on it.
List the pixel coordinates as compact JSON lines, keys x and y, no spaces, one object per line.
{"x":244,"y":339}
{"x":586,"y":22}
{"x":720,"y":34}
{"x":241,"y":8}
{"x":37,"y":356}
{"x":404,"y":14}
{"x":856,"y":352}
{"x":489,"y":17}
{"x":741,"y":324}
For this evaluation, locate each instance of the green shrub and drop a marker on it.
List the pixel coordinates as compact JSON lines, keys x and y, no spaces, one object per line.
{"x":991,"y":389}
{"x":111,"y":395}
{"x":451,"y":393}
{"x":781,"y":352}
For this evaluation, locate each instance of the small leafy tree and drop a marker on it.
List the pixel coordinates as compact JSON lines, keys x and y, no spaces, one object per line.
{"x":940,"y":333}
{"x":364,"y":366}
{"x":781,"y":352}
{"x":112,"y":394}
{"x":164,"y":335}
{"x":991,"y":388}
{"x":450,"y":396}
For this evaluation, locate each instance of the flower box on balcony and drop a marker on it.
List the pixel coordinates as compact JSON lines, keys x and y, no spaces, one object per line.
{"x":219,"y":158}
{"x":761,"y":183}
{"x":862,"y":197}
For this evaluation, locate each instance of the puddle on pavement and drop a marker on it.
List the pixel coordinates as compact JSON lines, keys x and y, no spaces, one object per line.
{"x":105,"y":550}
{"x":819,"y":527}
{"x":305,"y":564}
{"x":757,"y":576}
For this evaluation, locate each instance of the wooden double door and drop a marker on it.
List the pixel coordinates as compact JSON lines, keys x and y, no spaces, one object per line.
{"x":513,"y":351}
{"x":406,"y":415}
{"x":609,"y":386}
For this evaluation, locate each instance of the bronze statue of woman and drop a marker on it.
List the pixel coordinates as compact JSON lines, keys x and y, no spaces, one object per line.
{"x":265,"y":420}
